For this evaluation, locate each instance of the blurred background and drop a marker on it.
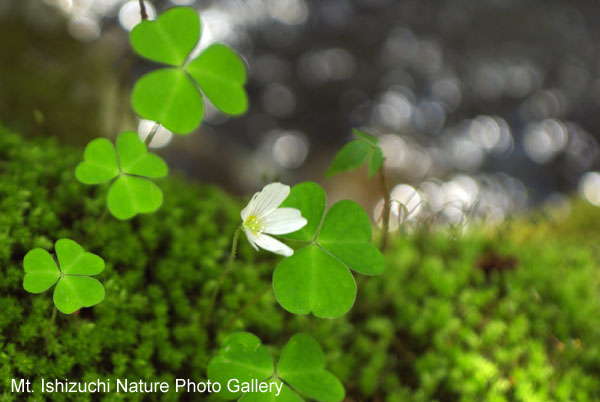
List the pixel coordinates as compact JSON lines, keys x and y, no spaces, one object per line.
{"x":484,"y":108}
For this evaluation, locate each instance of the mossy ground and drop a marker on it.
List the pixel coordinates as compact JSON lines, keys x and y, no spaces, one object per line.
{"x":505,"y":315}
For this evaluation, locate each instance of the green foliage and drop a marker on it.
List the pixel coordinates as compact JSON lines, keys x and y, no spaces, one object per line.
{"x":434,"y":327}
{"x":132,"y":192}
{"x":221,"y":74}
{"x":75,"y":289}
{"x":356,"y":152}
{"x":301,"y":366}
{"x":169,"y":97}
{"x":173,"y":96}
{"x":317,"y":277}
{"x":170,"y":38}
{"x":242,"y":357}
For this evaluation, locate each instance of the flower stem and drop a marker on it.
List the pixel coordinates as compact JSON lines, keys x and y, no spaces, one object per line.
{"x":223,"y":275}
{"x":50,"y":325}
{"x":387,"y":205}
{"x":152,"y":133}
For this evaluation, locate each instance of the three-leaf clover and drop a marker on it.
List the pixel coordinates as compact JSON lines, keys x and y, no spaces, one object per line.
{"x":171,"y":96}
{"x":317,"y":277}
{"x":356,"y":152}
{"x":301,"y":369}
{"x":75,"y":289}
{"x":132,"y":192}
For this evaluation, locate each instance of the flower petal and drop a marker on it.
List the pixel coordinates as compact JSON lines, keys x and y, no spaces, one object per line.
{"x":266,"y":200}
{"x":251,"y":238}
{"x":273,"y":245}
{"x":282,"y":221}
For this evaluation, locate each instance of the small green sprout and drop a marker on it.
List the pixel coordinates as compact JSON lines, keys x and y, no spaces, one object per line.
{"x":132,"y":192}
{"x":353,"y":155}
{"x":171,"y":96}
{"x":301,"y":369}
{"x":356,"y":152}
{"x":317,"y":277}
{"x":74,"y":287}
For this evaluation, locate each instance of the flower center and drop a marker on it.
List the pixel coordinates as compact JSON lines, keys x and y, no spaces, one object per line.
{"x":253,"y":224}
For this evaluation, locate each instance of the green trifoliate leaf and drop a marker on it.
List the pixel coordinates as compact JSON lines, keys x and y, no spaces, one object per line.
{"x":135,"y":159}
{"x":356,"y":152}
{"x":170,"y":38}
{"x":286,"y":395}
{"x":242,"y":357}
{"x":131,"y":195}
{"x":311,"y":280}
{"x":375,"y":161}
{"x":302,"y":365}
{"x":365,"y":136}
{"x":169,"y":97}
{"x":99,"y":163}
{"x":75,"y":289}
{"x":317,"y":278}
{"x":346,"y":233}
{"x":301,"y":369}
{"x":74,"y":292}
{"x":351,"y":156}
{"x":74,"y":260}
{"x":221,"y":74}
{"x":310,"y":199}
{"x":41,"y":272}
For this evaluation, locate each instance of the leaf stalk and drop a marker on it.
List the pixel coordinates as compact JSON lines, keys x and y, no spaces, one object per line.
{"x":223,"y":275}
{"x":387,"y":205}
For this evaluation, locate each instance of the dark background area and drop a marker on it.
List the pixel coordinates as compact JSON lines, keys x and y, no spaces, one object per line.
{"x":491,"y":103}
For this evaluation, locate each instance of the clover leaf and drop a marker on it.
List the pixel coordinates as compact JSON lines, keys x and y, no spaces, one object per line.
{"x":170,"y":38}
{"x":173,"y":96}
{"x":132,"y":192}
{"x":242,"y":357}
{"x":317,"y":277}
{"x":302,"y":366}
{"x":301,"y":369}
{"x":356,"y":152}
{"x":74,"y":286}
{"x":221,"y":74}
{"x":169,"y":97}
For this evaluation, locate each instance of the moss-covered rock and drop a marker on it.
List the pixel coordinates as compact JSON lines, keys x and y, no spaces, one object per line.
{"x":471,"y":318}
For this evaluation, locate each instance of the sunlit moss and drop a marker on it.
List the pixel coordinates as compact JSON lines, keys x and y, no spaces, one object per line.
{"x":449,"y":319}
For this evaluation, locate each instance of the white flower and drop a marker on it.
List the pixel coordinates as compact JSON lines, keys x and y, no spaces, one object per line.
{"x":262,"y":217}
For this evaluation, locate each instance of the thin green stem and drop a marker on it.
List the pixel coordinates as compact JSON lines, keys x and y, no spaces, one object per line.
{"x":152,"y":133}
{"x":223,"y":275}
{"x":50,"y":325}
{"x":387,"y":205}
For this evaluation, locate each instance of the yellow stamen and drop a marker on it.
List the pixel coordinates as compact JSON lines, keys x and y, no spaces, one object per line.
{"x":253,"y":224}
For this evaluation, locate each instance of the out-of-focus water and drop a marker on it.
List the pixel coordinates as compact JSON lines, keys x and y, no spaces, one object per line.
{"x":483,"y":107}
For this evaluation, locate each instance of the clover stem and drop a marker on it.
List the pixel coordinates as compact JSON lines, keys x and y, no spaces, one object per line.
{"x":232,"y":254}
{"x":152,"y":133}
{"x":50,"y":325}
{"x":143,"y":12}
{"x":387,"y":205}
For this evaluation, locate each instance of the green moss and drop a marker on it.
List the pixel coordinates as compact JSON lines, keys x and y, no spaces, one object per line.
{"x":434,"y":326}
